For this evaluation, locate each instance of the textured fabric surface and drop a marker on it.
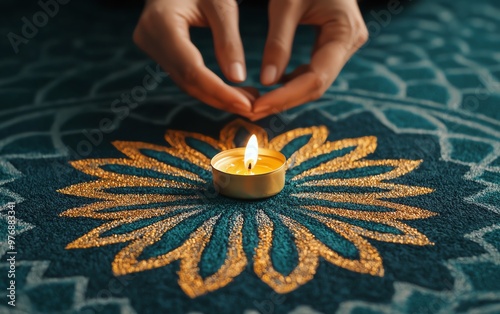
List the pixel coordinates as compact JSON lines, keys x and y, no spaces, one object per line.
{"x":391,"y":202}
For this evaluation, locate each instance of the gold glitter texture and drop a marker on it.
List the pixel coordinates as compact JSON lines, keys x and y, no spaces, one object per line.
{"x":189,"y":253}
{"x":309,"y":250}
{"x":118,"y":209}
{"x":263,"y":266}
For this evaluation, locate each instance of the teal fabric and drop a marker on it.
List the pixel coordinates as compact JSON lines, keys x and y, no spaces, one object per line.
{"x":426,"y":85}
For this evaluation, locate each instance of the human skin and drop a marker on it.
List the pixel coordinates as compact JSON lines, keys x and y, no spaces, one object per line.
{"x":163,"y":33}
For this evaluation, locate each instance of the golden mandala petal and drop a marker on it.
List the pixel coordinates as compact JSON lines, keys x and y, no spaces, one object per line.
{"x":116,"y":205}
{"x":189,"y":253}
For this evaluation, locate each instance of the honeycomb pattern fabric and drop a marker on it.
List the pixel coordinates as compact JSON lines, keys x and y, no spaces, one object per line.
{"x":392,"y":199}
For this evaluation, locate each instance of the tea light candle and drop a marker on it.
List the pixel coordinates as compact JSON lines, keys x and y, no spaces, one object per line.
{"x":249,"y":173}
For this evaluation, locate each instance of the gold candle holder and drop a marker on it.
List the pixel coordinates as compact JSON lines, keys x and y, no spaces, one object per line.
{"x":232,"y":179}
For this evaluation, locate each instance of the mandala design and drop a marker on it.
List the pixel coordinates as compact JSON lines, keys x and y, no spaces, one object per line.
{"x":158,"y":202}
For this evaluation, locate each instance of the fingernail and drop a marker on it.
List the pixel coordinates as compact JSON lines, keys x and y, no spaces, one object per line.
{"x":237,"y":72}
{"x":269,"y":74}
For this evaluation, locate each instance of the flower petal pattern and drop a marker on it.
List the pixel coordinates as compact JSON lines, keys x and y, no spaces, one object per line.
{"x":157,"y":202}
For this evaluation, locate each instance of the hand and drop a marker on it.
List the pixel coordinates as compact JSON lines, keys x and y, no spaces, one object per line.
{"x":341,"y":32}
{"x":163,"y":33}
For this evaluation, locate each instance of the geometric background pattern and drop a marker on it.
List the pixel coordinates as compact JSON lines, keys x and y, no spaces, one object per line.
{"x":429,"y":75}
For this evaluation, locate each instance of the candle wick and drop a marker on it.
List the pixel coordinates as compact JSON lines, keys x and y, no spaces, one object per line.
{"x":249,"y":166}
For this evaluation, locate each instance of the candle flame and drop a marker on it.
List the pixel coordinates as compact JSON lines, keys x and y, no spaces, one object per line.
{"x":251,"y":152}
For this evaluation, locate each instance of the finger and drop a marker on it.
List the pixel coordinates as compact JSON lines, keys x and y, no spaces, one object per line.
{"x":194,"y":77}
{"x":251,"y":93}
{"x":179,"y":57}
{"x":222,"y":16}
{"x":301,"y":69}
{"x":283,"y":19}
{"x":303,"y":88}
{"x":259,"y":116}
{"x":263,"y":114}
{"x":335,"y":48}
{"x":226,"y":108}
{"x":316,"y":41}
{"x":334,"y":45}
